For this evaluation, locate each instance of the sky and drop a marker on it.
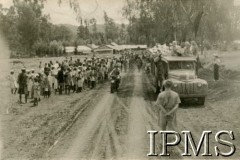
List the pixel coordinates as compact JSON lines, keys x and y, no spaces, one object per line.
{"x":63,"y":14}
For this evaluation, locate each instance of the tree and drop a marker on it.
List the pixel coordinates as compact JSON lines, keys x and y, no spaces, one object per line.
{"x":94,"y":22}
{"x":164,"y":21}
{"x":122,"y":38}
{"x":27,"y":25}
{"x":83,"y":32}
{"x":111,"y":30}
{"x":61,"y":33}
{"x":27,"y":30}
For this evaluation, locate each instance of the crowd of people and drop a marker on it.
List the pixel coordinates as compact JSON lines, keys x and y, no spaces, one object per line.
{"x":66,"y":77}
{"x":73,"y":76}
{"x":177,"y":49}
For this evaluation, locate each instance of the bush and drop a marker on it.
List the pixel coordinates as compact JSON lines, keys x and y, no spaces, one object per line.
{"x":207,"y":45}
{"x":40,"y":48}
{"x":54,"y":48}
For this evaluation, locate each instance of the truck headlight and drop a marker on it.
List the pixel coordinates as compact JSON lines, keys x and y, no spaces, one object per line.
{"x":199,"y":84}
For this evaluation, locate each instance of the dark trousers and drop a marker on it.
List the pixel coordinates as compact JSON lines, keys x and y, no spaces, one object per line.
{"x":216,"y":72}
{"x":14,"y":91}
{"x":79,"y":89}
{"x":88,"y":83}
{"x":139,"y":68}
{"x":93,"y":84}
{"x":61,"y":88}
{"x":67,"y":89}
{"x":35,"y":101}
{"x":46,"y":94}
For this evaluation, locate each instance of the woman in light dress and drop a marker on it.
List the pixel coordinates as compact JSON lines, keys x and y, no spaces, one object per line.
{"x":13,"y":82}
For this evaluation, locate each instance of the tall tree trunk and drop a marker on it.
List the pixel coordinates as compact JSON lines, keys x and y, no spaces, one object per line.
{"x":196,"y":23}
{"x":184,"y":34}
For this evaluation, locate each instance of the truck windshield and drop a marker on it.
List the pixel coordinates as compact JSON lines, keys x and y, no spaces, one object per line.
{"x":181,"y":65}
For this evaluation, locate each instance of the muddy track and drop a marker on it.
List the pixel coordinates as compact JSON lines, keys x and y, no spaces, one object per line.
{"x":100,"y":129}
{"x":84,"y":102}
{"x":114,"y":126}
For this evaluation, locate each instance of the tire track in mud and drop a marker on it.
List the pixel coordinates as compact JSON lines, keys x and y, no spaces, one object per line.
{"x":136,"y":140}
{"x":86,"y":133}
{"x":111,"y":145}
{"x":101,"y":134}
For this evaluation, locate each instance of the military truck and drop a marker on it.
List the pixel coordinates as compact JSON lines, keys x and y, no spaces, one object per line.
{"x":182,"y":71}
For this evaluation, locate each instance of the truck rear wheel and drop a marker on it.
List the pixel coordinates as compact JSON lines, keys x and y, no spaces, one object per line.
{"x":201,"y":100}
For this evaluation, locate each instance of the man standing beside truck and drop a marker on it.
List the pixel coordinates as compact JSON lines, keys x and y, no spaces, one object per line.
{"x":168,"y":102}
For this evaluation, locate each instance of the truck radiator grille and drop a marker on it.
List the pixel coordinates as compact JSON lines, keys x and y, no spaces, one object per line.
{"x":187,"y":88}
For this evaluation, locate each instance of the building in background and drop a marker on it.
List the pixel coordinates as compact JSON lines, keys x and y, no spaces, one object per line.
{"x":105,"y":49}
{"x":84,"y":50}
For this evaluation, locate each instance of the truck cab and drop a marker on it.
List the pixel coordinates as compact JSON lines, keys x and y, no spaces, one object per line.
{"x":182,"y":71}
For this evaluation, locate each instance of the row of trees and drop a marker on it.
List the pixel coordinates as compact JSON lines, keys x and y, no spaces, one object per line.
{"x":29,"y":32}
{"x":163,"y":21}
{"x":88,"y":32}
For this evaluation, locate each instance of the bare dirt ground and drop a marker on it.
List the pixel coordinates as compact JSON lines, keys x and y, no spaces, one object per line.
{"x":99,"y":125}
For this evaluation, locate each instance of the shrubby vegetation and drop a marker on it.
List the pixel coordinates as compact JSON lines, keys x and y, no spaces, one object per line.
{"x":211,"y":22}
{"x":30,"y":33}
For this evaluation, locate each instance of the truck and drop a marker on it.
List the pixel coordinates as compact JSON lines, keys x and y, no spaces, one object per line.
{"x":182,"y":72}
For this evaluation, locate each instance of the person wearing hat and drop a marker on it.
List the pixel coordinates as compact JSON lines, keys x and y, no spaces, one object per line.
{"x":22,"y":83}
{"x":80,"y":81}
{"x":54,"y":84}
{"x":29,"y":83}
{"x":139,"y":63}
{"x":168,"y":102}
{"x":93,"y":77}
{"x":74,"y":75}
{"x":36,"y":91}
{"x":68,"y":81}
{"x":116,"y":73}
{"x":87,"y":77}
{"x":187,"y":49}
{"x":174,"y":49}
{"x":216,"y":65}
{"x":60,"y":80}
{"x":13,"y":82}
{"x":46,"y":86}
{"x":125,"y":64}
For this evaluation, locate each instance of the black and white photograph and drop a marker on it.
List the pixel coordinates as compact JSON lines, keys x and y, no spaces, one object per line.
{"x":119,"y":79}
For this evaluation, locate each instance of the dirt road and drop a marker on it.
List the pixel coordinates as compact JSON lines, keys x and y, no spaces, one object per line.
{"x":114,"y":126}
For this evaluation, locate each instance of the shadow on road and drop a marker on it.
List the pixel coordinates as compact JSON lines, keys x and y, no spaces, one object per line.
{"x":190,"y":103}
